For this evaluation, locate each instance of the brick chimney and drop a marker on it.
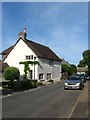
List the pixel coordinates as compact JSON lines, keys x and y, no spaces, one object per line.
{"x":22,"y":34}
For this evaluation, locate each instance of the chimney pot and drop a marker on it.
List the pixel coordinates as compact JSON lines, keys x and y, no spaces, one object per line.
{"x":24,"y":30}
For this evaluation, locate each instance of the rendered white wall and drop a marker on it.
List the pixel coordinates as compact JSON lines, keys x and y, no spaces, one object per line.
{"x":18,"y":54}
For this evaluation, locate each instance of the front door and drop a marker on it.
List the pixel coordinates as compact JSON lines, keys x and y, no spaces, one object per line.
{"x":30,"y":74}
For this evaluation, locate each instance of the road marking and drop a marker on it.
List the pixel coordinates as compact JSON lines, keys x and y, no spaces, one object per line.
{"x":73,"y":108}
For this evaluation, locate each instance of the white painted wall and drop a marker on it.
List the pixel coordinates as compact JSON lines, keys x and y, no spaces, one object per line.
{"x":18,"y":54}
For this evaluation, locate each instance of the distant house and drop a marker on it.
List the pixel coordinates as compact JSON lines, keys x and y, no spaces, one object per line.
{"x":65,"y":74}
{"x":82,"y":70}
{"x":49,"y":66}
{"x":65,"y":62}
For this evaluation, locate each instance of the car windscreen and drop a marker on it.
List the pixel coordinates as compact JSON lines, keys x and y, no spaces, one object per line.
{"x":74,"y":78}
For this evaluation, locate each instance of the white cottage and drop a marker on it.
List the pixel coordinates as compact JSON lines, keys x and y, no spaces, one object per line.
{"x":49,"y":66}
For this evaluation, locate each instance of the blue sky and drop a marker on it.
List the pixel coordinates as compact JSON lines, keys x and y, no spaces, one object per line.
{"x":62,"y":26}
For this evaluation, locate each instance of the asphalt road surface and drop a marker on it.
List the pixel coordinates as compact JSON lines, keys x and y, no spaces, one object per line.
{"x":46,"y":102}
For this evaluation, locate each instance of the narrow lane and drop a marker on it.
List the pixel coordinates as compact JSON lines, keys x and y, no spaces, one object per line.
{"x":47,"y":102}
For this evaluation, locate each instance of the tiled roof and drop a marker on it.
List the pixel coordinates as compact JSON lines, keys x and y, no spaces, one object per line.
{"x":42,"y":51}
{"x":38,"y":49}
{"x":65,"y":62}
{"x":8,"y":50}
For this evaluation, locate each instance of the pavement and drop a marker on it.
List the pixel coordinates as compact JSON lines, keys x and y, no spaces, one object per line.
{"x":80,"y":109}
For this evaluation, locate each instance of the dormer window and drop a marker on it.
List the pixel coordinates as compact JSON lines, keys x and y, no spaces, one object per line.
{"x":29,"y":57}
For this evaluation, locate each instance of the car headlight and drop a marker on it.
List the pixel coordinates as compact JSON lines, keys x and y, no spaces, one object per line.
{"x":66,"y":84}
{"x":78,"y":84}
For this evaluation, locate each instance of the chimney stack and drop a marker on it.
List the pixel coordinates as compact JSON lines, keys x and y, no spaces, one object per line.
{"x":22,"y":34}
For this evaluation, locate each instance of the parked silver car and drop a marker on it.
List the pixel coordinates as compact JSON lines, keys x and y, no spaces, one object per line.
{"x":73,"y":83}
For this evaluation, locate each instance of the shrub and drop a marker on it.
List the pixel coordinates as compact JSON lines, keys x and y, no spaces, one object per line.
{"x":4,"y":83}
{"x":34,"y":84}
{"x":11,"y":73}
{"x":17,"y":85}
{"x":50,"y":81}
{"x":24,"y":85}
{"x":61,"y":78}
{"x":40,"y":83}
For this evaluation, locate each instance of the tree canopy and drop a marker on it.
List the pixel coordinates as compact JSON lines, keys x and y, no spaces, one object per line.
{"x":73,"y":69}
{"x":65,"y":68}
{"x":70,"y":70}
{"x":86,"y":60}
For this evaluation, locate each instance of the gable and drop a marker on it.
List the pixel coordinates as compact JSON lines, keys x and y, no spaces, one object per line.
{"x":40,"y":50}
{"x":18,"y":53}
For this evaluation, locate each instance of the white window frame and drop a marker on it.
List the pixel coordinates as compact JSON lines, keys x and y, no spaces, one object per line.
{"x":49,"y":76}
{"x":29,"y":57}
{"x":41,"y":77}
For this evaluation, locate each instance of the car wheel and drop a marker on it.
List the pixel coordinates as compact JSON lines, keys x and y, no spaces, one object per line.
{"x":80,"y":88}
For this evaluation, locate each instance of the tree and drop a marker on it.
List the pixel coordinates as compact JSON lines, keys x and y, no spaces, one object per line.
{"x":82,"y":63}
{"x":73,"y":69}
{"x":86,"y":60}
{"x":26,"y":66}
{"x":65,"y":68}
{"x":65,"y":71}
{"x":11,"y":73}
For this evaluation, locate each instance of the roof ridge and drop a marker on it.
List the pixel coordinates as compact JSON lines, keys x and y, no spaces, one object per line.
{"x":36,"y":43}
